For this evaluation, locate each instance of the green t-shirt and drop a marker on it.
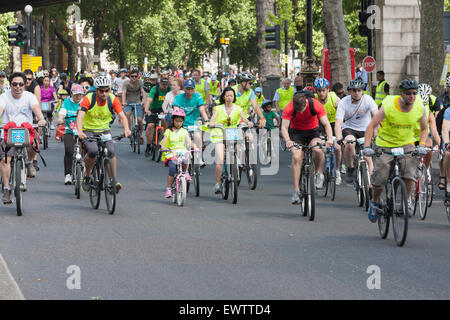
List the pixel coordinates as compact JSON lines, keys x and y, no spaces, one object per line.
{"x":160,"y":96}
{"x":269,"y":118}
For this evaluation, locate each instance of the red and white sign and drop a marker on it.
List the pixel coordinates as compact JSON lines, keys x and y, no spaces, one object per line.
{"x":369,"y":64}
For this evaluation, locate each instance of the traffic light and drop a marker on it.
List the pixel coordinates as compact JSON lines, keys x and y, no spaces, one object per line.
{"x":363,"y":16}
{"x":17,"y":34}
{"x":273,"y":37}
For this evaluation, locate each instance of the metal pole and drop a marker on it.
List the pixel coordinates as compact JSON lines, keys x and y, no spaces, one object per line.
{"x":309,"y":28}
{"x":286,"y":50}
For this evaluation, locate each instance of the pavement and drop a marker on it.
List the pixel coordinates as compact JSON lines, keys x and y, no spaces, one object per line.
{"x":260,"y":248}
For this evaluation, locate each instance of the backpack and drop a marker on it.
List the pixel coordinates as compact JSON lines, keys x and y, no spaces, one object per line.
{"x":309,"y":95}
{"x":440,"y":118}
{"x":110,"y":107}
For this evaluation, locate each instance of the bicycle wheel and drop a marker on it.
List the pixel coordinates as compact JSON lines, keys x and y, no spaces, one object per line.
{"x":45,"y":137}
{"x":311,"y":194}
{"x":400,"y":212}
{"x":384,"y":218}
{"x":196,"y":178}
{"x":109,"y":186}
{"x":447,"y":209}
{"x":365,"y":184}
{"x":430,"y":189}
{"x":252,"y":176}
{"x":422,"y":199}
{"x":94,"y":193}
{"x":133,"y":141}
{"x":332,"y":177}
{"x":77,"y":179}
{"x":225,"y":185}
{"x":181,"y":191}
{"x":303,"y":192}
{"x":158,"y":146}
{"x":233,"y":182}
{"x":17,"y":190}
{"x":326,"y":173}
{"x":358,"y":185}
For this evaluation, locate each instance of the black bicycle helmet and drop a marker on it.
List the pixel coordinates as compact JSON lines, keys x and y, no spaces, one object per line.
{"x":356,"y":84}
{"x":266,"y":103}
{"x":245,"y":76}
{"x":408,"y":84}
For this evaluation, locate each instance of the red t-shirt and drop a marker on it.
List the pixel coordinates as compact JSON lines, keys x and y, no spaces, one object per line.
{"x":304,"y":120}
{"x":117,"y":106}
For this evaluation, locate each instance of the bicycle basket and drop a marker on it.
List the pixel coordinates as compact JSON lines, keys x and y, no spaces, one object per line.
{"x":234,"y":134}
{"x":45,"y":106}
{"x":18,"y":137}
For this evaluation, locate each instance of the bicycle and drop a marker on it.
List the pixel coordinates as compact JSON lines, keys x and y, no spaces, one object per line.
{"x":423,"y":194}
{"x":251,"y":170}
{"x":362,"y":180}
{"x":179,"y":185}
{"x":103,"y":178}
{"x":135,"y":141}
{"x":78,"y":168}
{"x":230,"y":175}
{"x":329,"y":173}
{"x":265,"y":144}
{"x":158,"y":135}
{"x":18,"y":138}
{"x":194,"y":164}
{"x":307,"y":186}
{"x":395,"y":202}
{"x":46,"y":107}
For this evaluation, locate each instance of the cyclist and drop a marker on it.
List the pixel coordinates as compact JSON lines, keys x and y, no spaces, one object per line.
{"x":175,"y":138}
{"x":259,"y":96}
{"x":270,"y":115}
{"x":118,"y":82}
{"x":338,"y":88}
{"x":177,"y":86}
{"x":398,"y":116}
{"x":283,"y":96}
{"x":150,"y":80}
{"x":202,"y":87}
{"x":353,"y":115}
{"x":245,"y":96}
{"x":48,"y":94}
{"x":68,"y":116}
{"x":132,"y":91}
{"x":330,"y":101}
{"x":443,"y":103}
{"x":153,"y":107}
{"x":4,"y":86}
{"x":94,"y":117}
{"x":301,"y":125}
{"x":65,"y":83}
{"x":232,"y":82}
{"x":229,"y":115}
{"x":18,"y":106}
{"x":214,"y":85}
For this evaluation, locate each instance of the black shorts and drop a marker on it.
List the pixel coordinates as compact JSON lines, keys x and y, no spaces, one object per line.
{"x":153,"y":118}
{"x":322,"y":129}
{"x":351,"y":132}
{"x":304,"y":137}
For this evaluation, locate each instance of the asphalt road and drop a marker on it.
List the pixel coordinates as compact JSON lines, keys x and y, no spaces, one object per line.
{"x":260,"y":248}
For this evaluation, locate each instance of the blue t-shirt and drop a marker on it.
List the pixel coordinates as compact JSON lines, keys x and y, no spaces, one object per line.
{"x":447,"y":114}
{"x":71,"y":113}
{"x":252,"y":94}
{"x":191,"y":107}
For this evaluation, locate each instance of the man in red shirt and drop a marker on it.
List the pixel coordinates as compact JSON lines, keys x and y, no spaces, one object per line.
{"x":301,"y":125}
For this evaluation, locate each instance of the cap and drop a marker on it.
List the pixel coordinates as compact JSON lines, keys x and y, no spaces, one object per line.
{"x":165,"y":80}
{"x":153,"y":76}
{"x":189,"y":84}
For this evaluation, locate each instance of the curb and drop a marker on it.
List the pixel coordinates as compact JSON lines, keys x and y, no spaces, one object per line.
{"x":9,"y":290}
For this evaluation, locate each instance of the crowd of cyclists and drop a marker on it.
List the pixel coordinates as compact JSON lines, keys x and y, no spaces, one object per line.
{"x":321,"y":116}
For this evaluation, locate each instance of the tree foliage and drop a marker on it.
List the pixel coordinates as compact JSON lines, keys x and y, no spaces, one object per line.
{"x":6,"y":19}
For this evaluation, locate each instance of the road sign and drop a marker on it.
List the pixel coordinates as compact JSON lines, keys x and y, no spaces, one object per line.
{"x":369,"y":64}
{"x":446,"y":69}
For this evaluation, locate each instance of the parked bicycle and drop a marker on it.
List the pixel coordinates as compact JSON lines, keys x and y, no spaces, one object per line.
{"x":103,"y":178}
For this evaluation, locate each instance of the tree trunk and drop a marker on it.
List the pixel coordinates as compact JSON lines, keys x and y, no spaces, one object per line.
{"x":338,"y":41}
{"x":46,"y":40}
{"x":98,"y":35}
{"x":71,"y":51}
{"x":121,"y":42}
{"x":268,"y":62}
{"x":431,"y":43}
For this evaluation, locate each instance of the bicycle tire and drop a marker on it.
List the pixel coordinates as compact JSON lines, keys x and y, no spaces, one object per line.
{"x":333,"y":177}
{"x":383,"y":220}
{"x":225,"y":186}
{"x":233,"y":182}
{"x":311,"y":194}
{"x":181,"y":191}
{"x":422,"y":200}
{"x":358,"y":185}
{"x":252,"y":176}
{"x":138,"y":143}
{"x":17,"y":190}
{"x":326,"y":174}
{"x":400,"y":212}
{"x":109,"y":186}
{"x":94,"y":193}
{"x":430,"y":190}
{"x":158,"y":147}
{"x":133,"y":142}
{"x":45,"y":137}
{"x":77,"y":180}
{"x":365,"y":184}
{"x":282,"y":144}
{"x":303,"y":195}
{"x":196,"y":178}
{"x":447,"y":209}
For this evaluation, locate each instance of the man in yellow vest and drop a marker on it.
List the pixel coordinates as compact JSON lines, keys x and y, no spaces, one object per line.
{"x":283,"y":95}
{"x":398,"y":117}
{"x":382,"y":90}
{"x":214,"y":86}
{"x":202,"y":87}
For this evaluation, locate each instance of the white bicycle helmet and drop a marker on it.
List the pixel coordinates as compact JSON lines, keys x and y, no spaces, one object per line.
{"x":447,"y":82}
{"x":425,"y":91}
{"x":102,"y":82}
{"x":147,"y":75}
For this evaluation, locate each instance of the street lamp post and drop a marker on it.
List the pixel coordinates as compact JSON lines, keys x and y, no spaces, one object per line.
{"x":309,"y":70}
{"x":225,"y":42}
{"x":28,"y":11}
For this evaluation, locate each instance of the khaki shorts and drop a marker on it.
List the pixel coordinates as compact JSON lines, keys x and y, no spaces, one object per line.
{"x":384,"y":163}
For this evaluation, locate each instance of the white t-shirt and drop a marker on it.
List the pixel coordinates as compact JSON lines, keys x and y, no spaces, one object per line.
{"x":119,"y":83}
{"x":169,"y":99}
{"x":356,"y":116}
{"x":18,"y":110}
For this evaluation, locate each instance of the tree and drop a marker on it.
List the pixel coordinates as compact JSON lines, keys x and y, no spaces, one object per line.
{"x":337,"y":40}
{"x":6,"y":19}
{"x":431,"y":43}
{"x":268,"y":59}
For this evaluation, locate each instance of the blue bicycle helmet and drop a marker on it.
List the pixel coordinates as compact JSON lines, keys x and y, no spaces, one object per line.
{"x":321,"y":83}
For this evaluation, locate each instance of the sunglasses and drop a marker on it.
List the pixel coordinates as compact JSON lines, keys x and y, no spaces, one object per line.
{"x":340,"y":93}
{"x":411,"y":93}
{"x":229,"y":121}
{"x":133,"y":76}
{"x":86,"y":87}
{"x":15,"y":84}
{"x":103,"y":90}
{"x":29,"y":79}
{"x":2,"y":76}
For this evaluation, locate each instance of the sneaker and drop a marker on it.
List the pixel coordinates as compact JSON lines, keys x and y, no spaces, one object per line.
{"x":168,"y":193}
{"x":118,"y":186}
{"x":31,"y":171}
{"x":349,"y":176}
{"x":343,"y":169}
{"x":86,"y":184}
{"x":320,"y":178}
{"x":7,"y":196}
{"x":448,"y":187}
{"x":36,"y":165}
{"x":188,"y":176}
{"x":202,"y":163}
{"x":338,"y":178}
{"x":217,"y":188}
{"x":68,"y":179}
{"x":373,"y":214}
{"x":296,"y":197}
{"x":411,"y":205}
